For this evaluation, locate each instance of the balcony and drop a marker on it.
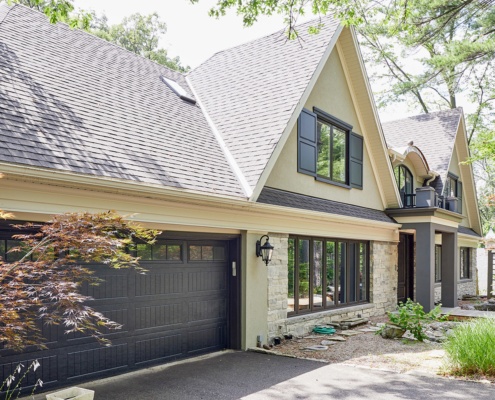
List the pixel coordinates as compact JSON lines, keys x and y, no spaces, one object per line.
{"x":427,"y":197}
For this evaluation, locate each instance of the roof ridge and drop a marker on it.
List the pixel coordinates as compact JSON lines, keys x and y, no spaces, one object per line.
{"x":92,"y":35}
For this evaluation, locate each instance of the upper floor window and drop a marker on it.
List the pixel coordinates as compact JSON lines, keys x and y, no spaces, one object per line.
{"x":332,"y":152}
{"x":404,"y":179}
{"x":453,"y":188}
{"x":329,"y":150}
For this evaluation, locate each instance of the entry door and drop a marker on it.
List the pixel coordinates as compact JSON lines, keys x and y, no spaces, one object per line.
{"x":405,"y":285}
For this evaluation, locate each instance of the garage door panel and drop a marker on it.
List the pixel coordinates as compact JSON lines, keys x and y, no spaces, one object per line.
{"x":114,"y":284}
{"x":208,"y":310}
{"x":207,"y":338}
{"x":96,"y":360}
{"x":206,"y":280}
{"x":159,"y":282}
{"x":47,"y":371}
{"x":158,"y":315}
{"x":159,"y":348}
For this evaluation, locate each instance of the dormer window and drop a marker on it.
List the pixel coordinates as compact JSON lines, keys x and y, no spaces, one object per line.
{"x":404,"y":179}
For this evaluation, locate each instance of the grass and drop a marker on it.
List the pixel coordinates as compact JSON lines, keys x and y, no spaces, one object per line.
{"x":470,"y":349}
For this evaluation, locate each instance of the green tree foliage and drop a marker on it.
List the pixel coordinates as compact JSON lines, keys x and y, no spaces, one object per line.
{"x":139,"y":34}
{"x":57,"y":11}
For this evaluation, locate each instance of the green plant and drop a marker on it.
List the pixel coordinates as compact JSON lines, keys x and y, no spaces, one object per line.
{"x":411,"y":317}
{"x":469,"y":348}
{"x":12,"y":387}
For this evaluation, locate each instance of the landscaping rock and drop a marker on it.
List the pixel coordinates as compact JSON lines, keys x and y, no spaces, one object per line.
{"x":316,"y":347}
{"x":328,"y":343}
{"x":351,"y":333}
{"x":336,"y":339}
{"x":391,"y":331}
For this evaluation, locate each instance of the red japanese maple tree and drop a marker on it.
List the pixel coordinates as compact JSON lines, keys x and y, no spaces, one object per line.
{"x":45,"y":283}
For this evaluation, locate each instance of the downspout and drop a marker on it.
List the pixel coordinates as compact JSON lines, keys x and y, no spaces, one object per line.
{"x":433,"y":176}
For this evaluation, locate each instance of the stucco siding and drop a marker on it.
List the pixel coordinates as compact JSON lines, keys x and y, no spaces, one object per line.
{"x":332,"y":95}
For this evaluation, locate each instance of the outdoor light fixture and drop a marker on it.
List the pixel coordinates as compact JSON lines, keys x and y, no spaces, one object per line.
{"x":265,"y":251}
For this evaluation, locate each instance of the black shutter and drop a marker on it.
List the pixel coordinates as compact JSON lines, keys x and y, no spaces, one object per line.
{"x":355,"y":161}
{"x":306,"y":143}
{"x":459,"y":197}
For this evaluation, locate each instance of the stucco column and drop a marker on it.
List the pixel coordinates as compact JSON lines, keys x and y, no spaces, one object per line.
{"x":425,"y":265}
{"x":450,"y":269}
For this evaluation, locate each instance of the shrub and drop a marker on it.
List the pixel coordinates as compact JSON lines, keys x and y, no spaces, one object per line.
{"x":470,"y":348}
{"x":411,"y":317}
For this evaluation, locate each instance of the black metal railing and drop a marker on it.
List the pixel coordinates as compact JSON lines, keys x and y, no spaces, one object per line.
{"x":409,"y":200}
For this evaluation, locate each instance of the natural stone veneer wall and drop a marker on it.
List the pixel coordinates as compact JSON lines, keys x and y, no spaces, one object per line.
{"x":465,"y":286}
{"x":383,"y":290}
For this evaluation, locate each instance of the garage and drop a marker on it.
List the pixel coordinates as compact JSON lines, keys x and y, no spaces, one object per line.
{"x":184,"y":305}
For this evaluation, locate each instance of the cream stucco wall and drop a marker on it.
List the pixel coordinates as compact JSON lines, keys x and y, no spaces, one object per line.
{"x":332,"y":95}
{"x":455,"y":169}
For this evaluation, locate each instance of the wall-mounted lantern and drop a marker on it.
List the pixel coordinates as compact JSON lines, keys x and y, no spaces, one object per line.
{"x":264,"y":251}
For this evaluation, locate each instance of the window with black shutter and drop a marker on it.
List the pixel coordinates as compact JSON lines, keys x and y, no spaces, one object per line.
{"x":329,"y":150}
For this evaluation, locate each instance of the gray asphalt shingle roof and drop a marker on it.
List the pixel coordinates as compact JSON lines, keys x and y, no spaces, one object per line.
{"x":250,"y":91}
{"x":279,"y":197}
{"x":74,"y":102}
{"x":434,"y":134}
{"x":467,"y":231}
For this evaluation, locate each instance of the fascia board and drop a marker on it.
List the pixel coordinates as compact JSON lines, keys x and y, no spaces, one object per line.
{"x":100,"y":189}
{"x":295,"y":115}
{"x":476,"y":224}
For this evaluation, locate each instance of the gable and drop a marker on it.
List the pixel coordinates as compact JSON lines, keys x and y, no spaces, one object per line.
{"x":332,"y":95}
{"x":250,"y":92}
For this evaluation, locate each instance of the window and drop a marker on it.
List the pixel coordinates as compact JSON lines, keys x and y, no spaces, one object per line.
{"x":438,"y":263}
{"x":329,"y":150}
{"x":465,"y":263}
{"x":332,"y":149}
{"x":161,"y":250}
{"x":6,"y":245}
{"x":326,"y":273}
{"x":404,"y":180}
{"x":453,"y":188}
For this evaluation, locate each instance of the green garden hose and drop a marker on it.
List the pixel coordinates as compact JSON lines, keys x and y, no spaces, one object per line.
{"x":323,"y":330}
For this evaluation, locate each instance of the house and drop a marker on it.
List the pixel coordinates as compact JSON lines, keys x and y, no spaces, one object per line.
{"x":272,"y":140}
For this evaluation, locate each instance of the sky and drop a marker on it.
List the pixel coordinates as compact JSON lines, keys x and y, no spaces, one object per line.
{"x":194,"y":36}
{"x":191,"y":33}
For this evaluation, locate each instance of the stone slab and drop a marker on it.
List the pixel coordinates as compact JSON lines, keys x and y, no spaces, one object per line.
{"x":351,"y":333}
{"x":336,"y":339}
{"x":328,"y":343}
{"x":316,"y":347}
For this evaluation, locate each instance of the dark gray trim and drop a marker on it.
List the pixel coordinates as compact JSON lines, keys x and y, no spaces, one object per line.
{"x":331,"y":119}
{"x":424,"y":212}
{"x":307,"y":146}
{"x":283,"y":198}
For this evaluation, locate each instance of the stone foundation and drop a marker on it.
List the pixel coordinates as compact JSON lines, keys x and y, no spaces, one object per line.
{"x":383,"y":291}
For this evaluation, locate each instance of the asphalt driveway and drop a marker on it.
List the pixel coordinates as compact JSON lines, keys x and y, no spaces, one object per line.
{"x":248,"y":375}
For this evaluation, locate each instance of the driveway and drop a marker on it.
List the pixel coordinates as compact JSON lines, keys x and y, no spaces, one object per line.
{"x":250,"y":376}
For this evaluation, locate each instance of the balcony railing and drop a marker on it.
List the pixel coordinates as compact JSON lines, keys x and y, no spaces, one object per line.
{"x":427,"y":197}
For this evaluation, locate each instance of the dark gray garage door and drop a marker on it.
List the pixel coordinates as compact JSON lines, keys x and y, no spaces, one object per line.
{"x":178,"y":308}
